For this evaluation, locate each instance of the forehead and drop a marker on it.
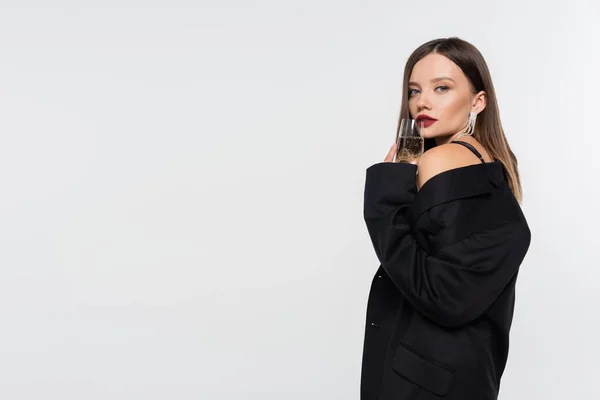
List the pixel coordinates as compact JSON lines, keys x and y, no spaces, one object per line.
{"x":434,"y":66}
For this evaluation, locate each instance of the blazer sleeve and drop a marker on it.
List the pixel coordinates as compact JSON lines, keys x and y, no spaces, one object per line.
{"x":460,"y":281}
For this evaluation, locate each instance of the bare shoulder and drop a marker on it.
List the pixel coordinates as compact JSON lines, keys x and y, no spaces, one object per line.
{"x":443,"y":158}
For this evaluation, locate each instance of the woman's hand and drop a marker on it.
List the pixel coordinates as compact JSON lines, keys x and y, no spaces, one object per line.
{"x":392,"y":153}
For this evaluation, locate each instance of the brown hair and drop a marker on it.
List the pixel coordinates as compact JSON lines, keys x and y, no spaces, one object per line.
{"x":488,"y":128}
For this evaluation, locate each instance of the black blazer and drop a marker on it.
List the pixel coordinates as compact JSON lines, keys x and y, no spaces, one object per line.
{"x":441,"y":303}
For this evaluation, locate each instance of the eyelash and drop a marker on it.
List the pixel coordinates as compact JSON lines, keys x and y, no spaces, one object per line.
{"x":446,"y":88}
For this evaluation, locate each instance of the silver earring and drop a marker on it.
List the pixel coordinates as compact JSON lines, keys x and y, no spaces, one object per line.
{"x":471,"y":124}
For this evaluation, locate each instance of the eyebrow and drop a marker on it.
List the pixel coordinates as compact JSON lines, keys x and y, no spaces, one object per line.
{"x":441,"y":78}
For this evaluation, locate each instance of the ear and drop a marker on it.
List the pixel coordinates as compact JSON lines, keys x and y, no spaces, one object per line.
{"x":479,"y":102}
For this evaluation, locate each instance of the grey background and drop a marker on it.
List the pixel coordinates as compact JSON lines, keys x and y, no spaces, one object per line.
{"x":181,"y":208}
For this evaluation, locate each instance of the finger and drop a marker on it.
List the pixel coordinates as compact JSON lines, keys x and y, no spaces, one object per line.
{"x":391,"y":154}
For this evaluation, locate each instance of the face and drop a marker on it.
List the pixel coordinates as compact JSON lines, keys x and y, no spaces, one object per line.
{"x":440,"y":90}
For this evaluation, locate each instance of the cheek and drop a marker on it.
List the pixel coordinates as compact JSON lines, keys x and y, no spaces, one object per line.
{"x":450,"y":104}
{"x":453,"y":112}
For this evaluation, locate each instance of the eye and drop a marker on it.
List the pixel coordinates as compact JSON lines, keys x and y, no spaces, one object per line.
{"x":442,"y":88}
{"x":412,"y":92}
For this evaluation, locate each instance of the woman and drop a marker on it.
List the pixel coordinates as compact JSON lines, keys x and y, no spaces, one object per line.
{"x":450,"y":236}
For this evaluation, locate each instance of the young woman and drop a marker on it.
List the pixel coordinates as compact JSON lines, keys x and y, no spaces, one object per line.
{"x":450,"y":235}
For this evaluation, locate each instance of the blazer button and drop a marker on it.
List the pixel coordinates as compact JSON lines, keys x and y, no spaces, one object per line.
{"x":374,"y":324}
{"x":379,"y":276}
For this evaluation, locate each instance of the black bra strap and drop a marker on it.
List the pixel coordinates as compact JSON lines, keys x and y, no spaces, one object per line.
{"x":470,"y":147}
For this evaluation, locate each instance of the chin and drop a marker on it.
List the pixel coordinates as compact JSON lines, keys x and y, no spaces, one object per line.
{"x":428,"y":134}
{"x":432,"y":134}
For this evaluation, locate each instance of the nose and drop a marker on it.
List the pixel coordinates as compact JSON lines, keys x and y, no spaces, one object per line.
{"x":423,"y":102}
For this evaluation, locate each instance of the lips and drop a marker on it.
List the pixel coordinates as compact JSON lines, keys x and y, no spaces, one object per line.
{"x":426,"y":120}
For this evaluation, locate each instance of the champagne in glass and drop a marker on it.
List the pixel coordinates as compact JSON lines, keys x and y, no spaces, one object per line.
{"x":409,"y":140}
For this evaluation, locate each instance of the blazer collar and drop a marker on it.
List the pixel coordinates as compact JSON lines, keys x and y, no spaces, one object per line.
{"x":457,"y":183}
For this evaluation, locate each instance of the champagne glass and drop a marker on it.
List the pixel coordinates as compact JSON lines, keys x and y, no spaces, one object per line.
{"x":409,"y":140}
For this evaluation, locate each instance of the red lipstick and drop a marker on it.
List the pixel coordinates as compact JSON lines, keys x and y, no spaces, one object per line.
{"x":426,"y":120}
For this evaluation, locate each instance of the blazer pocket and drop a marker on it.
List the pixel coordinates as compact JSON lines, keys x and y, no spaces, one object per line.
{"x":427,"y":374}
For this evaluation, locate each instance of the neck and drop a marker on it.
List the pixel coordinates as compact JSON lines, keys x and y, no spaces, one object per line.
{"x":444,"y":139}
{"x":447,"y":139}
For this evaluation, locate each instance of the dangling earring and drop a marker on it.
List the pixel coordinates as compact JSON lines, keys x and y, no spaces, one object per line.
{"x":470,"y":130}
{"x":471,"y":124}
